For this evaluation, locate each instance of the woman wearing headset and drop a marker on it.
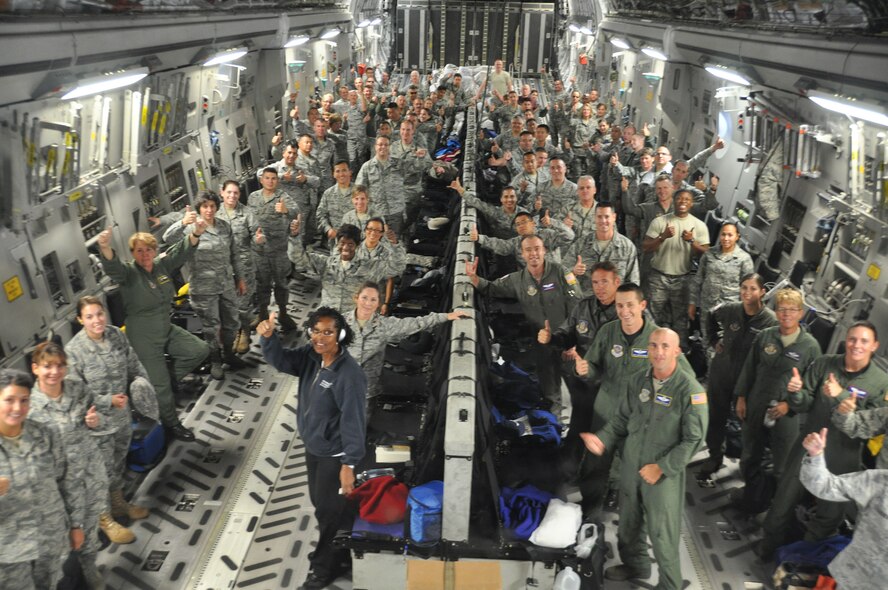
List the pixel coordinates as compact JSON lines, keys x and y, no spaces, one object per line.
{"x":331,"y":420}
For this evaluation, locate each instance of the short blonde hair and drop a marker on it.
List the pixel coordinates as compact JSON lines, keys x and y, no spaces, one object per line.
{"x":144,"y":237}
{"x":789,"y":296}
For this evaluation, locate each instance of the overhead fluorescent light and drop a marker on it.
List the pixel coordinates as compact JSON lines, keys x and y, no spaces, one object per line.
{"x":729,"y":75}
{"x":654,"y":53}
{"x":224,"y":57}
{"x":330,"y":33}
{"x":574,"y":28}
{"x":586,"y":31}
{"x":376,"y":21}
{"x":621,"y":43}
{"x":363,"y":24}
{"x":297,"y":40}
{"x":850,"y":107}
{"x":106,"y":82}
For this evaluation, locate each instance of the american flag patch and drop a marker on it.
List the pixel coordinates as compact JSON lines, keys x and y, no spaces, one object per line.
{"x":698,"y":398}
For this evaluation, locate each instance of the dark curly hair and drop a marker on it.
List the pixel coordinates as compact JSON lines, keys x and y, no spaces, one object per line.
{"x":338,"y":319}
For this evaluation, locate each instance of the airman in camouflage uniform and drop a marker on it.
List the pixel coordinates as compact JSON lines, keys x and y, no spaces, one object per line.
{"x":323,"y":151}
{"x":243,"y":228}
{"x":500,"y":219}
{"x":341,"y":273}
{"x":414,"y":162}
{"x":110,"y":366}
{"x":335,"y":202}
{"x":555,"y":236}
{"x":68,"y":414}
{"x":557,"y":193}
{"x":273,"y":210}
{"x":368,"y":345}
{"x":215,"y":270}
{"x":717,"y":277}
{"x":382,"y":175}
{"x":580,"y":215}
{"x":41,"y":495}
{"x":603,"y":244}
{"x":356,"y":133}
{"x":864,"y":424}
{"x":863,"y":561}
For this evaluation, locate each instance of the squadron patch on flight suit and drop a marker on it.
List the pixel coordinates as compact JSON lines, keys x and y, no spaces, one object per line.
{"x":698,"y":398}
{"x":735,"y":326}
{"x":770,"y":348}
{"x":663,"y":400}
{"x":617,"y":350}
{"x":644,"y":396}
{"x":531,"y":290}
{"x":582,"y":326}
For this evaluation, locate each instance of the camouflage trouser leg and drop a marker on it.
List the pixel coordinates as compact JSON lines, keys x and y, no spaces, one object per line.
{"x":97,"y":501}
{"x":395,"y":220}
{"x":114,"y":448}
{"x":272,"y":269}
{"x":218,"y":317}
{"x":40,"y":574}
{"x":245,"y":309}
{"x":669,"y":298}
{"x":632,"y":229}
{"x":357,"y":154}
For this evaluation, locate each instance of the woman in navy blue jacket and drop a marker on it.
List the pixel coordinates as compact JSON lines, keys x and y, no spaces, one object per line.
{"x":331,"y":421}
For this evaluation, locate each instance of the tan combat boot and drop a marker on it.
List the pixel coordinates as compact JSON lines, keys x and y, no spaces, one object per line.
{"x":121,"y":508}
{"x":242,"y":342}
{"x":116,"y":532}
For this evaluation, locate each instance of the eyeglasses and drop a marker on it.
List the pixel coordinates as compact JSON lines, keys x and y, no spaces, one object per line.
{"x":373,"y":230}
{"x":788,"y":309}
{"x":327,"y":333}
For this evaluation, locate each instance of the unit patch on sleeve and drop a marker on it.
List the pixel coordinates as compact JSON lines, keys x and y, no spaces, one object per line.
{"x":698,"y":398}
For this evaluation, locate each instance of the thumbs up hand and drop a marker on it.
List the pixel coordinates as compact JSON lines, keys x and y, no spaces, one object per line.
{"x":281,"y":207}
{"x":118,"y":400}
{"x":579,"y":268}
{"x":200,"y":226}
{"x":849,"y":404}
{"x":687,"y":235}
{"x":568,"y":221}
{"x":190,"y":216}
{"x":294,"y":225}
{"x":831,"y":387}
{"x":473,"y":233}
{"x":105,"y":238}
{"x":815,"y":443}
{"x":92,"y":417}
{"x":259,"y":238}
{"x":545,"y":334}
{"x":582,"y":367}
{"x":795,"y":383}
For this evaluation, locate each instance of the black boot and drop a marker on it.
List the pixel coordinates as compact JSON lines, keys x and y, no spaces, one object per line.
{"x":280,"y":297}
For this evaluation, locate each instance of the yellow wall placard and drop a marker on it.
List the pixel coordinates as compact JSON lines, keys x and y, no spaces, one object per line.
{"x":13,"y":288}
{"x":874,"y":272}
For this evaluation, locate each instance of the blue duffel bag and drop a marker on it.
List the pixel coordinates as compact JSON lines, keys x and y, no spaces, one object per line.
{"x":425,"y":503}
